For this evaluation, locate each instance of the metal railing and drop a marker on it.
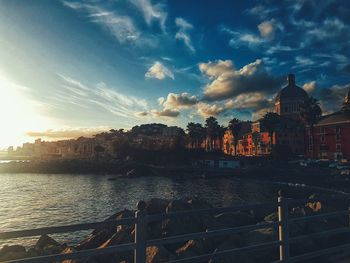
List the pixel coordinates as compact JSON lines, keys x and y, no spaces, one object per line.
{"x":141,"y":221}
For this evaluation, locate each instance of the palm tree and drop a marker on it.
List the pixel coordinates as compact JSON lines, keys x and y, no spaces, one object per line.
{"x":256,"y":139}
{"x":220,"y":134}
{"x":310,"y":112}
{"x":270,"y":122}
{"x":191,"y":130}
{"x":196,"y":133}
{"x":235,"y":125}
{"x":212,"y":126}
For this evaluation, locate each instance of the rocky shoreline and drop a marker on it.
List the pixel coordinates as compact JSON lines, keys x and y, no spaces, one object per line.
{"x":105,"y":237}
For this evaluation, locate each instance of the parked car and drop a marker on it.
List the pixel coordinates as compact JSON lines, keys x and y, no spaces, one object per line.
{"x":333,"y":165}
{"x":342,"y":166}
{"x":345,"y":172}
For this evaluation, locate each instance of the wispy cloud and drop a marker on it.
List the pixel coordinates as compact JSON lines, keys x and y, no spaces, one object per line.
{"x":183,"y":33}
{"x":101,"y":95}
{"x":122,"y":27}
{"x":67,"y":133}
{"x":152,"y":12}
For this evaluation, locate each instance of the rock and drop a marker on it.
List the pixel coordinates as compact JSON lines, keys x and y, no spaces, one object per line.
{"x":47,"y":245}
{"x":94,"y":240}
{"x":101,"y":235}
{"x":121,"y":237}
{"x":234,"y":219}
{"x":273,"y":217}
{"x":156,"y":206}
{"x":261,"y":236}
{"x":158,"y":254}
{"x":232,"y":242}
{"x":193,"y":248}
{"x":12,"y":252}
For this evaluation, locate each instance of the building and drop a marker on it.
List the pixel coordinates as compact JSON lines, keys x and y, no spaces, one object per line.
{"x":289,"y":99}
{"x":254,"y":138}
{"x":330,"y":137}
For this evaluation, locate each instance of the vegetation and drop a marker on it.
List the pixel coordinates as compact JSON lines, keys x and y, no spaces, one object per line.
{"x":235,"y":125}
{"x":271,"y":123}
{"x":310,"y":112}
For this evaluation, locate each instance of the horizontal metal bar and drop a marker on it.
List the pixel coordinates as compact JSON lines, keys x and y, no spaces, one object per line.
{"x":320,"y":216}
{"x":317,"y":253}
{"x":212,"y":211}
{"x":241,"y":250}
{"x":210,"y":233}
{"x":64,"y":229}
{"x":320,"y":234}
{"x":303,"y":201}
{"x":76,"y":255}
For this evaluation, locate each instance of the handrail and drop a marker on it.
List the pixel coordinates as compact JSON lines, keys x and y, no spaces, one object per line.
{"x":65,"y":228}
{"x":244,"y":207}
{"x":226,"y":252}
{"x":210,"y":233}
{"x":141,"y":221}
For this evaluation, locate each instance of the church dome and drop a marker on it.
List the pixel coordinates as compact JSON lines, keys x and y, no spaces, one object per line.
{"x":291,"y":91}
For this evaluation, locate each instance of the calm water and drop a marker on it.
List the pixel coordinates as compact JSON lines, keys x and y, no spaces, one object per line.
{"x":36,"y":200}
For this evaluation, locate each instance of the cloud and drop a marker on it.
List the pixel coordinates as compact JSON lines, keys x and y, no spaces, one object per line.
{"x":310,"y":87}
{"x":152,"y":12}
{"x":159,"y":71}
{"x":268,"y":28}
{"x":107,"y":98}
{"x":332,"y":98}
{"x":260,"y":11}
{"x":183,"y":33}
{"x":166,"y":113}
{"x":141,"y":113}
{"x":206,"y":110}
{"x":121,"y":27}
{"x":227,"y":82}
{"x":239,"y":39}
{"x":67,"y":133}
{"x":178,"y":101}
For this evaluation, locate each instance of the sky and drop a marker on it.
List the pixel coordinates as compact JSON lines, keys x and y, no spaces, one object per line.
{"x":70,"y":68}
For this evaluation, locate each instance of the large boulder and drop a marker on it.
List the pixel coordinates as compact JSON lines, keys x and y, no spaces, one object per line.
{"x":156,"y":206}
{"x":47,"y":246}
{"x":158,"y":254}
{"x":123,"y":236}
{"x":259,"y":236}
{"x":12,"y":252}
{"x":102,"y":234}
{"x":234,"y":219}
{"x":193,"y":248}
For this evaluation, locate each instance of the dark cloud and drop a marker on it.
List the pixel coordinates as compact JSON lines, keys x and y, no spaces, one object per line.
{"x":227,"y":82}
{"x":166,"y":113}
{"x":177,"y":101}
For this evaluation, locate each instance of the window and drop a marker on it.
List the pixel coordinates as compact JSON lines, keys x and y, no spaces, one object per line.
{"x":338,"y":147}
{"x":310,"y":147}
{"x":338,"y":137}
{"x":323,"y":138}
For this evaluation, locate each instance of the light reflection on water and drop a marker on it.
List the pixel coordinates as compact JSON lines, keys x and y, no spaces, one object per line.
{"x":38,"y":200}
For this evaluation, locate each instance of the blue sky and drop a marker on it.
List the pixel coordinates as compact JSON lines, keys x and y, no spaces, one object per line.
{"x":77,"y":67}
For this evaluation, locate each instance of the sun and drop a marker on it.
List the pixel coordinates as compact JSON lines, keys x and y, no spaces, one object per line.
{"x":17,"y":114}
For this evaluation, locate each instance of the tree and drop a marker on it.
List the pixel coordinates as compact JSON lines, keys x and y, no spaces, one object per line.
{"x":192,"y":132}
{"x":212,"y":127}
{"x":220,"y":134}
{"x":310,"y":112}
{"x":256,"y":139}
{"x":270,"y":123}
{"x":235,"y":126}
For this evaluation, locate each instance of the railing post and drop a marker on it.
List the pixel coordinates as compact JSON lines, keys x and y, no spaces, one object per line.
{"x":140,"y":233}
{"x":283,"y":229}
